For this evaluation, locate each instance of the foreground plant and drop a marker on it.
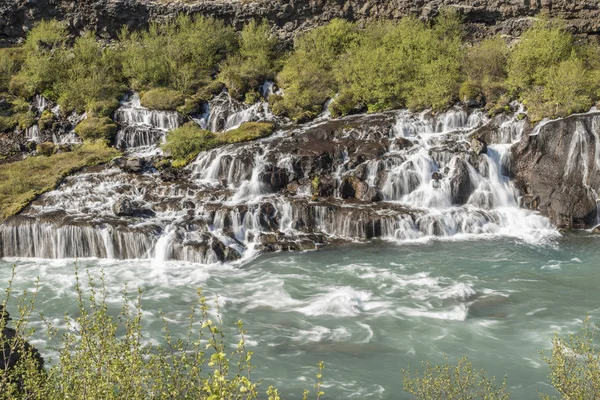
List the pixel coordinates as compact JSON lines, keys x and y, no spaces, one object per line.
{"x":106,"y":357}
{"x":460,"y":382}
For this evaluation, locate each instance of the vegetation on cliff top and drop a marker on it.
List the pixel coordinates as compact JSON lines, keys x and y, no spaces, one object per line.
{"x":381,"y":66}
{"x":22,"y":181}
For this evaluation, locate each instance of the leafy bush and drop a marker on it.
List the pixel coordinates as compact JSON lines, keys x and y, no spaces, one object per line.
{"x":45,"y":59}
{"x":404,"y":64}
{"x":181,"y":55}
{"x":307,"y":77}
{"x":461,"y":382}
{"x":162,"y":99}
{"x":254,"y":63}
{"x":10,"y":63}
{"x":540,"y":48}
{"x":93,"y":77}
{"x":186,"y":142}
{"x":575,"y":364}
{"x":96,"y":128}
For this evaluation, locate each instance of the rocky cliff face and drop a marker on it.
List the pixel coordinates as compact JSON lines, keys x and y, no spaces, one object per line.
{"x":291,"y":16}
{"x":557,"y":166}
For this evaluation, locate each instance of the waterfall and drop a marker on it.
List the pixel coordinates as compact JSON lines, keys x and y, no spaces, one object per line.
{"x":398,"y":176}
{"x":140,"y":127}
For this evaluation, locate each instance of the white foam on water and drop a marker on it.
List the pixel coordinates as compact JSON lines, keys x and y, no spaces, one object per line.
{"x":456,"y":313}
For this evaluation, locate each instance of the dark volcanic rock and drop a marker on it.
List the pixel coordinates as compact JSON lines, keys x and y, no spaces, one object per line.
{"x":289,"y":18}
{"x":125,"y":207}
{"x":558,"y":169}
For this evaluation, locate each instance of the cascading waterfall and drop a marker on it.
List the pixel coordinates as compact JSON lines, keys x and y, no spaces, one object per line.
{"x":141,"y":127}
{"x":419,"y":171}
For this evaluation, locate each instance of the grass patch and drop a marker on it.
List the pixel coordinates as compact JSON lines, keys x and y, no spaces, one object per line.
{"x":246,"y":132}
{"x":22,"y":181}
{"x":94,"y":128}
{"x":162,"y":99}
{"x":185,"y":143}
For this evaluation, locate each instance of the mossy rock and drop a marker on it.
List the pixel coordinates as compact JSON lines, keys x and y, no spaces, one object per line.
{"x":103,"y":108}
{"x":246,"y":132}
{"x":162,"y":99}
{"x":45,"y":149}
{"x":95,"y":128}
{"x":46,"y":120}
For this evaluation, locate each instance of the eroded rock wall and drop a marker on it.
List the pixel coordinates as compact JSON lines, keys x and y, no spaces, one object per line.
{"x":485,"y":17}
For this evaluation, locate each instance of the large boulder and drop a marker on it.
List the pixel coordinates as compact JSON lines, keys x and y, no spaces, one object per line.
{"x":559,"y":167}
{"x":126,"y":207}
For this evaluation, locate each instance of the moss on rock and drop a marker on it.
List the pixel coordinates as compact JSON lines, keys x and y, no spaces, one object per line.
{"x":162,"y":99}
{"x":95,"y":128}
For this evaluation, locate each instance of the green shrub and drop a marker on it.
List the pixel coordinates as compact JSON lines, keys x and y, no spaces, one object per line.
{"x":246,"y":132}
{"x":162,"y":99}
{"x":575,"y":364}
{"x":254,"y":63}
{"x":186,"y":142}
{"x":7,"y":123}
{"x":46,"y":120}
{"x":569,"y":88}
{"x":461,"y":382}
{"x":404,"y":64}
{"x":92,"y":79}
{"x":9,"y":65}
{"x":103,"y":108}
{"x":96,"y":128}
{"x":181,"y":55}
{"x":470,"y":90}
{"x":307,"y":77}
{"x":540,"y":48}
{"x":45,"y":59}
{"x":487,"y":61}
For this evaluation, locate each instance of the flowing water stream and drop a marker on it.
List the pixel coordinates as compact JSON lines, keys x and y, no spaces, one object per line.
{"x":367,"y":310}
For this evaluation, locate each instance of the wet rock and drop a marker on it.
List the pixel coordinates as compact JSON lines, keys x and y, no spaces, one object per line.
{"x":478,"y":146}
{"x":557,"y":167}
{"x":129,"y":164}
{"x":275,"y":178}
{"x":596,"y":230}
{"x":125,"y":207}
{"x":13,"y":349}
{"x":460,"y":183}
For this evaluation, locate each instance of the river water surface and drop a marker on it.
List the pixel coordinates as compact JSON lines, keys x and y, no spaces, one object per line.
{"x":368,"y":310}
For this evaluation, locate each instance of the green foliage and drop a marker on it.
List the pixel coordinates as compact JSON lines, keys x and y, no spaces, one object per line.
{"x":45,"y":149}
{"x":9,"y":65}
{"x":45,"y":60}
{"x":404,"y":64}
{"x":93,"y":77}
{"x":22,"y":181}
{"x":162,"y":99}
{"x":460,"y":382}
{"x":575,"y":364}
{"x":254,"y":63}
{"x":246,"y":132}
{"x":186,"y":142}
{"x":180,"y":55}
{"x":307,"y":77}
{"x":46,"y":120}
{"x":543,"y":46}
{"x":96,"y":128}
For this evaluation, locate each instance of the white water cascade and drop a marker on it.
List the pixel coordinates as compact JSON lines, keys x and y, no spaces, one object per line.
{"x":398,"y":176}
{"x":141,"y":128}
